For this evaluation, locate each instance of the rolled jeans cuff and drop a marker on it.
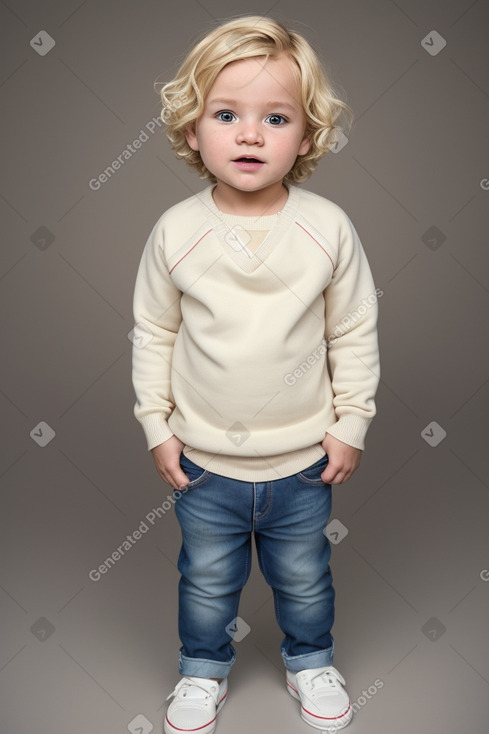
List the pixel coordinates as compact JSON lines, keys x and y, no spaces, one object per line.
{"x":203,"y":668}
{"x":318,"y":659}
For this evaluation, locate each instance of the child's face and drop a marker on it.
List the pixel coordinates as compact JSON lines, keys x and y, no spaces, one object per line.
{"x":252,"y":109}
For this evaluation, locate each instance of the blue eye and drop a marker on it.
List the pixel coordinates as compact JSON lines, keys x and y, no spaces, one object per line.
{"x":276,"y":117}
{"x":219,"y":116}
{"x":275,"y":120}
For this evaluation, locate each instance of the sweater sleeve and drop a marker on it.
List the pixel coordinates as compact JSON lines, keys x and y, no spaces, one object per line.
{"x":157,"y":317}
{"x":351,"y":335}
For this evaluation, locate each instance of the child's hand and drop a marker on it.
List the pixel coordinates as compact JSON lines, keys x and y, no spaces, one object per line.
{"x":166,"y":457}
{"x":343,"y":460}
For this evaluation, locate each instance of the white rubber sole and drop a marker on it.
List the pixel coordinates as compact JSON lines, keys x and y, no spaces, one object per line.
{"x":206,"y":729}
{"x":318,"y":723}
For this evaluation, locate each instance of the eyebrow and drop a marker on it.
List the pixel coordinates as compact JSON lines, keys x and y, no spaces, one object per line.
{"x":233,"y":102}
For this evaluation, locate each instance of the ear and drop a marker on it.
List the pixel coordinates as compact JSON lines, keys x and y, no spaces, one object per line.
{"x":191,"y":137}
{"x":304,"y":147}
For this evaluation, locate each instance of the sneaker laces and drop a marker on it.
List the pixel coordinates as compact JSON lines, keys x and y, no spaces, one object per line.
{"x":187,"y":683}
{"x":330,"y":676}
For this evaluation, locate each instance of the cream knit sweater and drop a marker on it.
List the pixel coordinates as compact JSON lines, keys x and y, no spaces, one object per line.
{"x":250,"y":353}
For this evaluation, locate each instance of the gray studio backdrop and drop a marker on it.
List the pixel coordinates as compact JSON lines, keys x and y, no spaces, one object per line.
{"x":85,"y":653}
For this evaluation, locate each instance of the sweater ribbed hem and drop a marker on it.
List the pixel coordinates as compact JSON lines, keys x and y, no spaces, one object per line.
{"x":351,"y":429}
{"x":156,"y":429}
{"x":256,"y":468}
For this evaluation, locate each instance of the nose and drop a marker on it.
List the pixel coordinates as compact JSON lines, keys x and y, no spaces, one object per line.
{"x":249,"y":133}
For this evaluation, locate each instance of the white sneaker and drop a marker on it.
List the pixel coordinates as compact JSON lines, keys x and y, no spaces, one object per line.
{"x":324,"y":702}
{"x":196,"y":705}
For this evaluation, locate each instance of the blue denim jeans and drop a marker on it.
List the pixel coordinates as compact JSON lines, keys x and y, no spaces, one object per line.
{"x":217,"y":516}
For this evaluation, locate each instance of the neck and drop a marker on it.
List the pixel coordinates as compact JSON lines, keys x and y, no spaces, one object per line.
{"x":261,"y":203}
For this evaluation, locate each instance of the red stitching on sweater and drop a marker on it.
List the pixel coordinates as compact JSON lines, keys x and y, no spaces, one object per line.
{"x":189,"y":251}
{"x":317,"y":243}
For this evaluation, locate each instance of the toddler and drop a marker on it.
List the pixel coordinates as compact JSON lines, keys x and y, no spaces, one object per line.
{"x":256,"y":363}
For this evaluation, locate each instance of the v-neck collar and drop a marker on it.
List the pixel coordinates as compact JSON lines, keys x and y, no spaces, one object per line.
{"x":229,"y":236}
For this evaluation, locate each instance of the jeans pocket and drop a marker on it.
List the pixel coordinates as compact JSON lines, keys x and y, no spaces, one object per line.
{"x":312,"y":474}
{"x":195,"y":473}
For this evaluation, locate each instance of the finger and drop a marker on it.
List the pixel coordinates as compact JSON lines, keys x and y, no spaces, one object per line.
{"x":339,"y":477}
{"x":329,"y":475}
{"x":349,"y":473}
{"x":166,"y":477}
{"x":181,"y":480}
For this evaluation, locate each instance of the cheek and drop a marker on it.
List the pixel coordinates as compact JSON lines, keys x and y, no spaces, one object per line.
{"x":286,"y":149}
{"x":214,"y":142}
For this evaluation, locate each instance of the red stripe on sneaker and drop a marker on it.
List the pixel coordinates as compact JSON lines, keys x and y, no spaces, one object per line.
{"x":327,"y":718}
{"x":198,"y":728}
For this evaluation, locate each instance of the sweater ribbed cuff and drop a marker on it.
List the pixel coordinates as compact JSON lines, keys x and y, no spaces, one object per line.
{"x":156,"y":429}
{"x":351,"y":429}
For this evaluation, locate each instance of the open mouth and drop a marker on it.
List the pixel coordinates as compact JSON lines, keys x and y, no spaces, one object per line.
{"x":247,"y":159}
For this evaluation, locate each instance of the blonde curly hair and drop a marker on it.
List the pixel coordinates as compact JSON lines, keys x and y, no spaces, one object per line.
{"x":184,"y":97}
